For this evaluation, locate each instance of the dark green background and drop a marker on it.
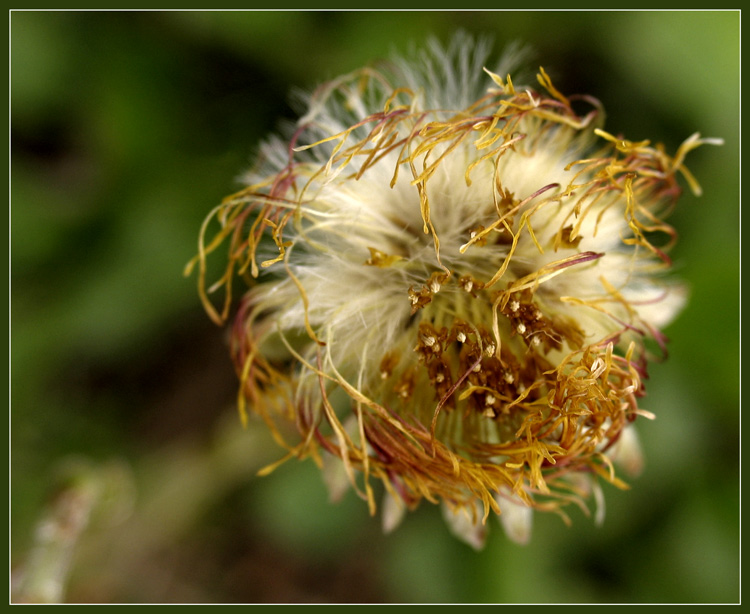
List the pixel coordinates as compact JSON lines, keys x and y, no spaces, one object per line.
{"x":127,"y":127}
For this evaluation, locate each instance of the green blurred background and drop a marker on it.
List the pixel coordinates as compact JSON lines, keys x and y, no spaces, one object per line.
{"x":127,"y":127}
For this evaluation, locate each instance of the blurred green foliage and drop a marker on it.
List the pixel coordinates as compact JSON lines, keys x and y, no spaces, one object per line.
{"x":127,"y":127}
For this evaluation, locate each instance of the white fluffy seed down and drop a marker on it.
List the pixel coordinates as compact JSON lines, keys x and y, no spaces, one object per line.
{"x":461,"y":271}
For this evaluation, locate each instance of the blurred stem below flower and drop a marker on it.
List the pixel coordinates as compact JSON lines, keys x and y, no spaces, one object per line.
{"x":82,"y":491}
{"x":106,"y":521}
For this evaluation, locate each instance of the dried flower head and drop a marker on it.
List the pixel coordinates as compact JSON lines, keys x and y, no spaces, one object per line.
{"x":462,"y":280}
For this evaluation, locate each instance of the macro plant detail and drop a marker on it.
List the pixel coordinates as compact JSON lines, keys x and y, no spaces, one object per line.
{"x":456,"y":285}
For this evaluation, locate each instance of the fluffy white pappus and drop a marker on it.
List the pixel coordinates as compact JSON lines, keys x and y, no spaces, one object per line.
{"x":342,"y":220}
{"x":458,"y":277}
